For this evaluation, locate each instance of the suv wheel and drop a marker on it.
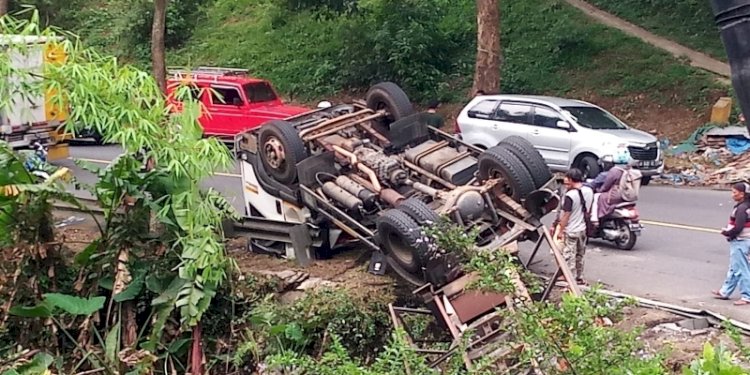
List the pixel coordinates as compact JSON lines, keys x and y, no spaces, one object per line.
{"x":391,"y":98}
{"x":515,"y":179}
{"x":589,"y":166}
{"x":280,"y":149}
{"x":533,"y":160}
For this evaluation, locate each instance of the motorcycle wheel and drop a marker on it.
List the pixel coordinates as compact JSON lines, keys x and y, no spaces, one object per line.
{"x":627,"y":238}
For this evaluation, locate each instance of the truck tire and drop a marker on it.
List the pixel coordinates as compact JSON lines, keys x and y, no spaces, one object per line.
{"x":389,"y":96}
{"x":400,"y":237}
{"x":497,"y":162}
{"x":533,"y":160}
{"x":419,"y":211}
{"x":280,"y":149}
{"x":98,"y":138}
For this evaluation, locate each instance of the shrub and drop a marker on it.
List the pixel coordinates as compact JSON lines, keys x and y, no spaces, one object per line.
{"x":309,"y":324}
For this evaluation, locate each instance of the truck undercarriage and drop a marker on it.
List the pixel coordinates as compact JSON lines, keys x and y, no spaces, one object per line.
{"x":374,"y":172}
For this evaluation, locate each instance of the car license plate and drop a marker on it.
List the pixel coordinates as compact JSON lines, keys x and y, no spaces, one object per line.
{"x":636,"y":229}
{"x":648,"y":163}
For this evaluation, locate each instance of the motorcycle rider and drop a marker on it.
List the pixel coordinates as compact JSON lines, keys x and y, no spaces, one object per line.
{"x":607,"y":195}
{"x":606,"y":163}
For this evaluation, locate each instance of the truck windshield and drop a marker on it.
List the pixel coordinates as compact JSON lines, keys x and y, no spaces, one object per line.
{"x":258,"y":92}
{"x":594,"y":118}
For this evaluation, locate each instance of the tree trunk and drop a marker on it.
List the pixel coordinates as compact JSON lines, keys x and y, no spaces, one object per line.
{"x":196,"y":355}
{"x":158,"y":27}
{"x":129,"y":325}
{"x":489,"y":55}
{"x":3,"y":7}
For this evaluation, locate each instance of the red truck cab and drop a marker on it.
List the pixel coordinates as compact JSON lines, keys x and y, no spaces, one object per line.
{"x":233,"y":101}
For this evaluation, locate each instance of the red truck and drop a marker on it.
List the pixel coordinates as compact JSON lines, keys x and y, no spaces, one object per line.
{"x":234,"y":101}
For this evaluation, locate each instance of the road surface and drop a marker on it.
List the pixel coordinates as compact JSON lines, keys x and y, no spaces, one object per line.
{"x":679,"y":258}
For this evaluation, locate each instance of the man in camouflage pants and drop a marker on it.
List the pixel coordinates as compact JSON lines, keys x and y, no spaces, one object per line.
{"x":573,"y":222}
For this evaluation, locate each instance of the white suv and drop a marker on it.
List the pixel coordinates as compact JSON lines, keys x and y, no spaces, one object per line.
{"x":568,"y":133}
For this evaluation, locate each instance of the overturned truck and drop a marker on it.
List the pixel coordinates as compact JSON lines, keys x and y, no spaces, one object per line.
{"x":375,"y":171}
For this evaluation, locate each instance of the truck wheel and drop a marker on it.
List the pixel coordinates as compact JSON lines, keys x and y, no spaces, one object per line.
{"x":419,"y":211}
{"x":391,"y":98}
{"x":524,"y":150}
{"x":400,"y":237}
{"x":280,"y":149}
{"x":515,"y":180}
{"x":589,"y":166}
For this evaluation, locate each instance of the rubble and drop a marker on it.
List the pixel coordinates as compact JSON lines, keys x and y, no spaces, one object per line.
{"x":711,"y":156}
{"x":736,"y":170}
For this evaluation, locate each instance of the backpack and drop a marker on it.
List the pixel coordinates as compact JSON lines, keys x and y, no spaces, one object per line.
{"x":630,"y":184}
{"x":590,"y":227}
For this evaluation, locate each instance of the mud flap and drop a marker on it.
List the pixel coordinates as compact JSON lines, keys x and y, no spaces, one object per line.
{"x":302,"y":244}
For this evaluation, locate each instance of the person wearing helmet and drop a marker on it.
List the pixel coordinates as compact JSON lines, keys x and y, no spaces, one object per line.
{"x":324,"y":104}
{"x":609,"y":192}
{"x":606,"y":163}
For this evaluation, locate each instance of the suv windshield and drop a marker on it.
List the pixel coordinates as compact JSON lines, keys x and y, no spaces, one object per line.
{"x":257,"y":92}
{"x":594,"y":118}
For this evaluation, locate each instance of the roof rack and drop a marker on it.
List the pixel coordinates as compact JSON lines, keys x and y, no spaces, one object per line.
{"x":207,"y":70}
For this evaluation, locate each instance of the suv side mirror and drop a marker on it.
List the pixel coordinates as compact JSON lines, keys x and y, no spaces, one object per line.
{"x":237,"y":101}
{"x":563,"y":125}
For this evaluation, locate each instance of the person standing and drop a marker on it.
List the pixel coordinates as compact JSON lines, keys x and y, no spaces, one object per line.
{"x":738,"y":235}
{"x":433,"y":118}
{"x":576,"y":207}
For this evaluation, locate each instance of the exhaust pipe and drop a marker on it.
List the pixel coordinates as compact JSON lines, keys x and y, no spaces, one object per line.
{"x":733,"y":20}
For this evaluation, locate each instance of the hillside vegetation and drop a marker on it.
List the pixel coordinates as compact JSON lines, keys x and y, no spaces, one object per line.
{"x":548,"y":47}
{"x":314,"y":49}
{"x":689,"y":22}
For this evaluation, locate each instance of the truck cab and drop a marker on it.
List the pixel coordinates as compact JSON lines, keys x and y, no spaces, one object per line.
{"x":233,"y":101}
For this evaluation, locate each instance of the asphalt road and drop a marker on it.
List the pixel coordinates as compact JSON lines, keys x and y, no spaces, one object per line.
{"x":678,"y":260}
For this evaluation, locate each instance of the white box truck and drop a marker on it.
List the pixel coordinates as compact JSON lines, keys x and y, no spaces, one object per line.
{"x":32,"y":117}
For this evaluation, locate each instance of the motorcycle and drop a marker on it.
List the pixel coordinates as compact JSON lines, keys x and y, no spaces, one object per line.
{"x":622,"y":226}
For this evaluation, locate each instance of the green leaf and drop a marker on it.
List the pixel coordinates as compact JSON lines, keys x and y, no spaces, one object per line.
{"x":162,"y":314}
{"x":708,"y":351}
{"x":112,"y":342}
{"x":164,"y":305}
{"x":294,"y":332}
{"x":41,"y":310}
{"x":38,"y":365}
{"x":84,"y":257}
{"x":178,"y":345}
{"x":75,"y":305}
{"x":156,"y":284}
{"x":107,"y":282}
{"x":132,"y":291}
{"x":170,"y":294}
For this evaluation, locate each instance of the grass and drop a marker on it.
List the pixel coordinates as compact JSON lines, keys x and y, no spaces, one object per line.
{"x":310,"y":53}
{"x":552,"y":48}
{"x":549,"y":48}
{"x":688,"y":22}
